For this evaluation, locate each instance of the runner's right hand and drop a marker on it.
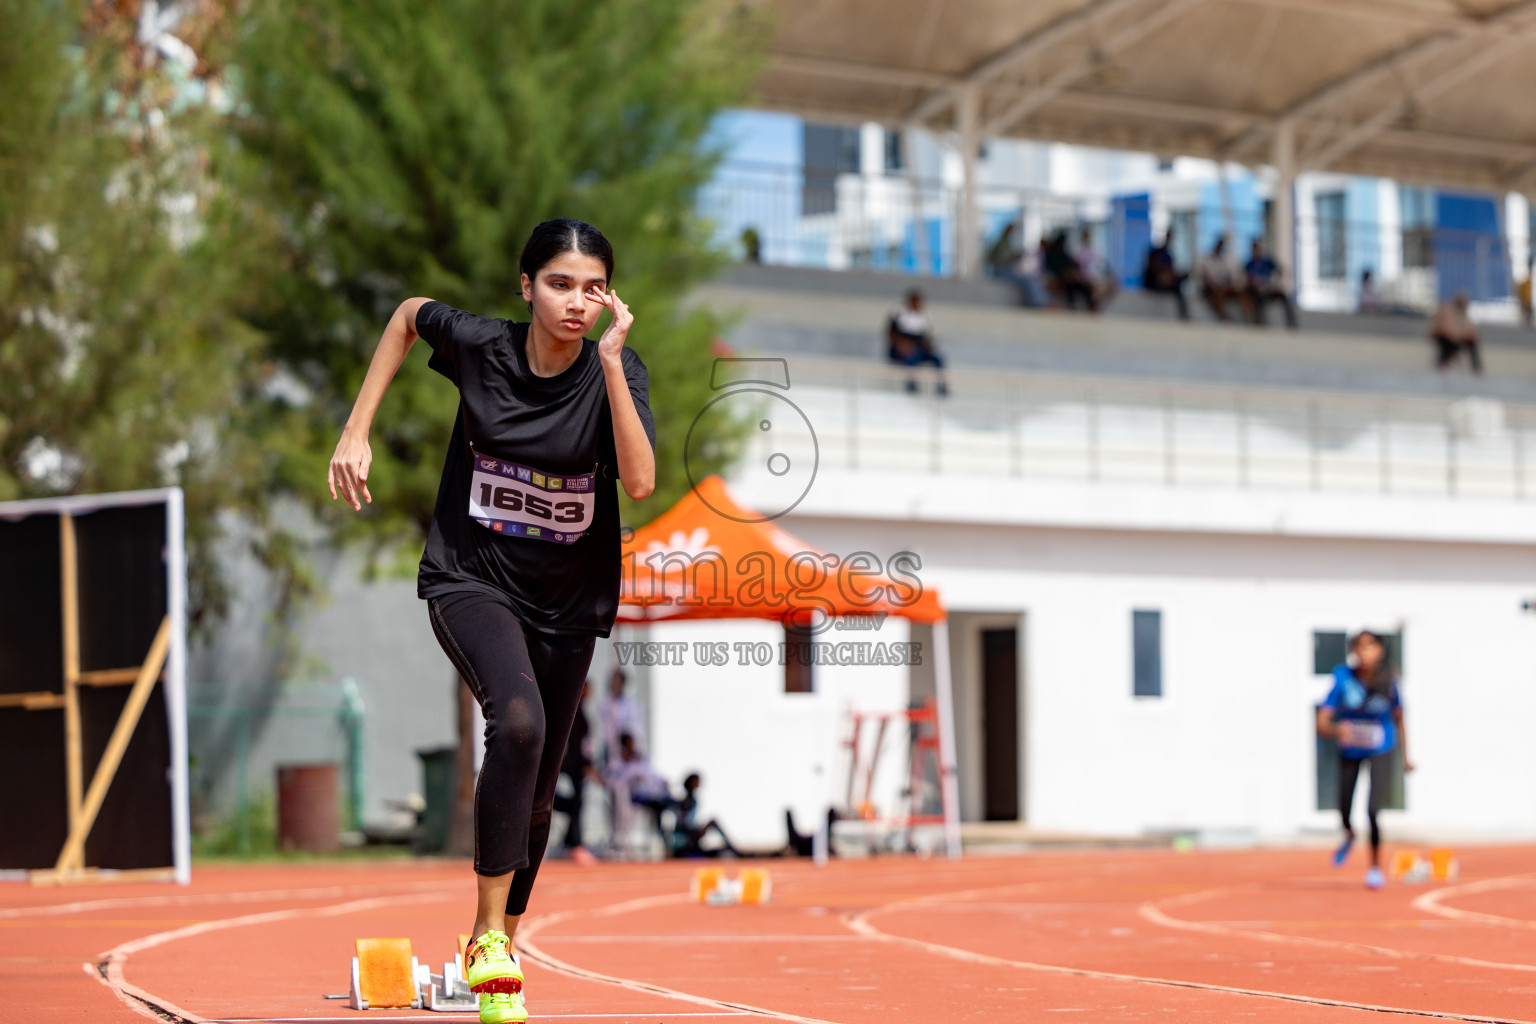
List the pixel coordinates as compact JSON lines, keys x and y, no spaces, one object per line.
{"x":349,"y":470}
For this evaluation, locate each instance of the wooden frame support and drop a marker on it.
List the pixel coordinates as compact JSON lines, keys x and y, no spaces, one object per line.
{"x":69,"y":579}
{"x":71,"y":858}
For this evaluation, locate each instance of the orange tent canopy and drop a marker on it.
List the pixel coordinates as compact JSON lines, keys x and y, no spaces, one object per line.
{"x":708,"y":557}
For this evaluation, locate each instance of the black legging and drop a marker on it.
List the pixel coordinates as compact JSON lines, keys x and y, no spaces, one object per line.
{"x":1349,"y":773}
{"x":528,"y":684}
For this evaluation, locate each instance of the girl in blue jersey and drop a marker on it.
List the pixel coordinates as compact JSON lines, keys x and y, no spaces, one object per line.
{"x":1363,"y":714}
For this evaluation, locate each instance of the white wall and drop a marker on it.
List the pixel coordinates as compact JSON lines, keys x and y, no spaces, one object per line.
{"x":1230,"y":744}
{"x":758,"y":749}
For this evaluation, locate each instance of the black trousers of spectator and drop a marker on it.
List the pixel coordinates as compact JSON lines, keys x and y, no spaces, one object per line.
{"x":1349,"y":774}
{"x":1449,"y":350}
{"x":1262,"y":297}
{"x":570,"y":806}
{"x":528,"y":685}
{"x":1174,"y":287}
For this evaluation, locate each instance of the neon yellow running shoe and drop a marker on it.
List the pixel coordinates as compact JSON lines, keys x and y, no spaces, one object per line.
{"x":502,"y":1008}
{"x":489,"y":967}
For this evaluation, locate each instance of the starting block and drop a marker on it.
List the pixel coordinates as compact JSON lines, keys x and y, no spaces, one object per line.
{"x":1413,"y":867}
{"x":711,"y":887}
{"x":1443,"y":865}
{"x":384,"y":974}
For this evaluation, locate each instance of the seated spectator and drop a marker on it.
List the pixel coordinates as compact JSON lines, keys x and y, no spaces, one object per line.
{"x":687,"y":834}
{"x":1266,"y":284}
{"x":1452,"y":332}
{"x":1219,"y":283}
{"x":1369,"y":300}
{"x":1095,"y":271}
{"x":1062,"y":275}
{"x":1007,"y":261}
{"x":1161,"y":276}
{"x":910,"y":336}
{"x":634,"y":777}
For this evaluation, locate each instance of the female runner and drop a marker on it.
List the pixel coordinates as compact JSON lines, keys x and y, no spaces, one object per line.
{"x":1363,"y":713}
{"x":521,"y":568}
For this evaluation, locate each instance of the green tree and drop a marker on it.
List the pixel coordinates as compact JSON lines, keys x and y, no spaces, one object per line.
{"x":123,"y":363}
{"x":410,"y":148}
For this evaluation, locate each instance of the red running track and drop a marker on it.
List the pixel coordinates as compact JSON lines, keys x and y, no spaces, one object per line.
{"x":1265,"y":936}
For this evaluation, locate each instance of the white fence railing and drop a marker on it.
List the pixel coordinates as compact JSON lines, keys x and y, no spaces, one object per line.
{"x":1012,"y":424}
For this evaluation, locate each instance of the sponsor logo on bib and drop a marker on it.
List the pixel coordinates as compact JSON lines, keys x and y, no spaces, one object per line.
{"x":511,"y":499}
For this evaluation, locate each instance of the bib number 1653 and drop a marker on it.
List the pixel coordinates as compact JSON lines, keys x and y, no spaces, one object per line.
{"x":510,"y":499}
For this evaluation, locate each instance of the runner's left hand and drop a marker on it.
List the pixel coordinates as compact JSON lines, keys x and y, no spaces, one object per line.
{"x":611,"y":344}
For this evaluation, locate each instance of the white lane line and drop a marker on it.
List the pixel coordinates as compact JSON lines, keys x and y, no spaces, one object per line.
{"x":859,"y":924}
{"x":689,"y":939}
{"x":109,"y":968}
{"x":469,"y":1016}
{"x":1153,"y":912}
{"x":530,"y":949}
{"x":196,"y":899}
{"x":1431,"y":903}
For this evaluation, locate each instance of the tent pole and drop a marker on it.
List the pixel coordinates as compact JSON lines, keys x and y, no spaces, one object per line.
{"x":949,"y":787}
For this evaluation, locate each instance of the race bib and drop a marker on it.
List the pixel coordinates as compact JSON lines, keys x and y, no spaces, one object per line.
{"x":524,"y":502}
{"x":1359,"y":734}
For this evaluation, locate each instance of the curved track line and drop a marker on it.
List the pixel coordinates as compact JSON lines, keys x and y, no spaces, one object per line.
{"x":1429,"y":903}
{"x":109,"y":968}
{"x":859,"y":923}
{"x":528,"y":948}
{"x":1151,"y":911}
{"x":193,"y":899}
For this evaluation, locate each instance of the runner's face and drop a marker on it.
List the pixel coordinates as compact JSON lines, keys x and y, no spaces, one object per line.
{"x":1369,"y":651}
{"x":563,"y":299}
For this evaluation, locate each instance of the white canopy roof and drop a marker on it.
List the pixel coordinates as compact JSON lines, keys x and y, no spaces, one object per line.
{"x":1434,"y":91}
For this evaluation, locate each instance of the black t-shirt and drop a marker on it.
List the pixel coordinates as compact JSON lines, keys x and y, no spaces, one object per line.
{"x":556,"y":425}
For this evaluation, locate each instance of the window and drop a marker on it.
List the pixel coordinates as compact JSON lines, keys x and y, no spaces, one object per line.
{"x":799,"y":655}
{"x":1416,"y":208}
{"x":1331,"y":254}
{"x":1328,"y":650}
{"x":1147,"y":653}
{"x":830,"y":150}
{"x":893,"y":161}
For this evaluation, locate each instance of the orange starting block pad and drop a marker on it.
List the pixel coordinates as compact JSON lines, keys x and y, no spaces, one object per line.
{"x":711,"y":886}
{"x":386,"y":974}
{"x":1413,"y":867}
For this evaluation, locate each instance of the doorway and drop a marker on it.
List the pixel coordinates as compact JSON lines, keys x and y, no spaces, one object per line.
{"x":1000,"y":724}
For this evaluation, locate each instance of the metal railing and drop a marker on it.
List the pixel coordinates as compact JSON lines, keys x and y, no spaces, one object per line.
{"x":1026,"y":425}
{"x":906,"y":225}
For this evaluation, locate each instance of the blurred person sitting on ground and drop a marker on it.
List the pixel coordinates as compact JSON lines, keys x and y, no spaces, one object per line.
{"x":1219,"y":283}
{"x":577,"y":768}
{"x":909,"y":335}
{"x":1008,"y":261}
{"x":1095,"y":271}
{"x":687,"y":834}
{"x":1369,"y":299}
{"x":1363,"y":714}
{"x":1452,"y":332}
{"x":1266,"y":284}
{"x":1161,"y":276}
{"x":1063,"y":277}
{"x":638,"y":781}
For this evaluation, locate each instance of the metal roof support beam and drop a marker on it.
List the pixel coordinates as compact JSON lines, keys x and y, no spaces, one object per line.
{"x":1374,"y":125}
{"x":1368,"y":74}
{"x":1163,"y":12}
{"x":868,"y":74}
{"x":1020,"y":51}
{"x":1283,"y":244}
{"x":1402,"y":14}
{"x":967,"y":238}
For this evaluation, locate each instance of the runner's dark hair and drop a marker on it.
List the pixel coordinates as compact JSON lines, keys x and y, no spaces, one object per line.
{"x":1384,"y":675}
{"x":562,"y":235}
